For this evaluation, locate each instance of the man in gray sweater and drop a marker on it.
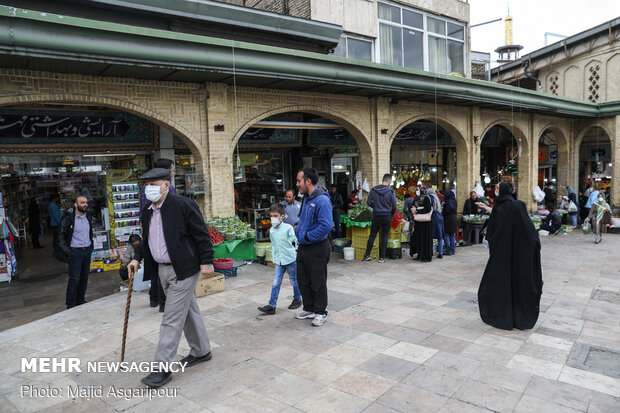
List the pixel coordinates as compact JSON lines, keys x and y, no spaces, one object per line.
{"x":382,"y":200}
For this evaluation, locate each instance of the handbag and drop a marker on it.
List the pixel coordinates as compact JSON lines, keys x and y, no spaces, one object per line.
{"x":586,"y":228}
{"x":606,"y":218}
{"x":572,"y":207}
{"x":423,"y":217}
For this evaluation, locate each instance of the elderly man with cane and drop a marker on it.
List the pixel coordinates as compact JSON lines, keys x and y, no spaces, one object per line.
{"x":177,"y":248}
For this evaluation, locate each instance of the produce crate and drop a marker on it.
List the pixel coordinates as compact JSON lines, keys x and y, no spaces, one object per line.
{"x":394,"y":253}
{"x":361,"y":232}
{"x":403,"y":236}
{"x":231,"y":272}
{"x":359,"y":253}
{"x":350,"y":233}
{"x":395,"y":233}
{"x":362,"y":241}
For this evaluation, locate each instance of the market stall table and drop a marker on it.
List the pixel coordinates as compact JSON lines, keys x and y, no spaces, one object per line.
{"x":239,"y":250}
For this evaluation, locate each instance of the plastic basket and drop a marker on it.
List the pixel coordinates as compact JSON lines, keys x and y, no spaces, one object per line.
{"x":231,"y":272}
{"x":362,"y":241}
{"x":350,"y":232}
{"x":361,"y":232}
{"x":359,"y":253}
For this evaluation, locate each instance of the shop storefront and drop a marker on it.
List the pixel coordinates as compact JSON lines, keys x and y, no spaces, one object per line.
{"x":270,"y":153}
{"x":96,"y":153}
{"x":499,"y":152}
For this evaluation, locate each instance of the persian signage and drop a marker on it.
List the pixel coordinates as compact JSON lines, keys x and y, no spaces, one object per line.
{"x":72,"y":127}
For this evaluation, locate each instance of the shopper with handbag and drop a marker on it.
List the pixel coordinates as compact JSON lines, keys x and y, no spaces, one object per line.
{"x":422,"y":211}
{"x":573,"y":209}
{"x":600,"y":215}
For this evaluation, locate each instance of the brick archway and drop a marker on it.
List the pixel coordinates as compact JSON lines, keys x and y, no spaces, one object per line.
{"x":563,"y":161}
{"x":459,"y":141}
{"x":606,"y":135}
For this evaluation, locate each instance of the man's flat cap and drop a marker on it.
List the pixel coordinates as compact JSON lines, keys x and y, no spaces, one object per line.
{"x":156,"y":174}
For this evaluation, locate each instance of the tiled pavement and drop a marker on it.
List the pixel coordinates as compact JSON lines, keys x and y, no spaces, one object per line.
{"x":400,"y":337}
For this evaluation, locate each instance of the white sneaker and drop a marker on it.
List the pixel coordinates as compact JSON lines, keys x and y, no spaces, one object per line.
{"x":302,"y":315}
{"x":319,"y":320}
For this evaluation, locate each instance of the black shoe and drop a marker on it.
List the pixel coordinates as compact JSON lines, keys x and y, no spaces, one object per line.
{"x":162,"y":308}
{"x":193,"y":360}
{"x":154,"y":304}
{"x":367,"y":258}
{"x":295,"y":304}
{"x":82,"y":302}
{"x":267,"y":310}
{"x":440,"y":256}
{"x":157,"y":379}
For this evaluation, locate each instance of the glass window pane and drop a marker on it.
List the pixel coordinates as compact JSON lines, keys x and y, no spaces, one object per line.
{"x":341,"y":49}
{"x":437,"y":55}
{"x":455,"y":57}
{"x":436,"y":25}
{"x":413,"y":19}
{"x":414,"y":50}
{"x":389,"y":13}
{"x":390,"y":43}
{"x":456,"y":30}
{"x":359,"y":49}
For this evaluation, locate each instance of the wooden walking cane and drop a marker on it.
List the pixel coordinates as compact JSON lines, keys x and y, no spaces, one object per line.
{"x":126,"y":316}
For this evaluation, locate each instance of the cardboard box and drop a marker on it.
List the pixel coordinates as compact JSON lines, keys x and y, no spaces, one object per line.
{"x":96,"y":266}
{"x":211,"y":283}
{"x":111,"y":264}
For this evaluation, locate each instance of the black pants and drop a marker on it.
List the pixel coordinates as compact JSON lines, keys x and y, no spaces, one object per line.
{"x":55,"y":236}
{"x":35,"y":240}
{"x":379,"y":222}
{"x":337,"y":226}
{"x":79,"y":267}
{"x":312,"y":275}
{"x":156,"y":292}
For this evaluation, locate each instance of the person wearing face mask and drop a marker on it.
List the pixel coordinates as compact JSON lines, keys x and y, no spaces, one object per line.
{"x":291,"y":208}
{"x":600,"y":216}
{"x":283,"y":240}
{"x":75,"y":242}
{"x":156,"y":292}
{"x":176,"y":247}
{"x":511,"y":287}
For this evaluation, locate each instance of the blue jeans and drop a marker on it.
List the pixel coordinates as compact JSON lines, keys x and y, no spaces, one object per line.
{"x":277,"y":282}
{"x":573,"y":219}
{"x":450,"y":241}
{"x":440,"y":246}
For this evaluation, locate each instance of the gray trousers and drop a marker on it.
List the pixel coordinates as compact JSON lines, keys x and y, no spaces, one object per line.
{"x":180,"y":315}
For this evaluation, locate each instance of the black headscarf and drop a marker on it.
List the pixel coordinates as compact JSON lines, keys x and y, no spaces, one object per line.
{"x":420,"y":198}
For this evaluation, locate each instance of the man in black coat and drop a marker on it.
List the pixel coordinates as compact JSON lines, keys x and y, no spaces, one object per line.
{"x":75,"y":247}
{"x":337,"y":205}
{"x":176,"y":247}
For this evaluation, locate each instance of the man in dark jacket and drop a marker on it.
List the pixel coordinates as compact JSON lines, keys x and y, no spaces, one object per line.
{"x":312,"y":231}
{"x":176,"y":247}
{"x":550,"y":194}
{"x":470,"y":207}
{"x":382,"y":200}
{"x":337,"y":205}
{"x":76,"y":244}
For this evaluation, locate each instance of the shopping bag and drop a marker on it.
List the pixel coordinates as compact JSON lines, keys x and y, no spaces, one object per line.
{"x":572,"y":207}
{"x":586,"y":228}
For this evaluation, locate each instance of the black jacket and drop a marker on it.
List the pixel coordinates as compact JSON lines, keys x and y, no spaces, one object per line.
{"x":66,"y":233}
{"x":187,"y":238}
{"x":336,"y":199}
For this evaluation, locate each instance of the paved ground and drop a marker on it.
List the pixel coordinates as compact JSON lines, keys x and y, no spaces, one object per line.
{"x":401,"y":336}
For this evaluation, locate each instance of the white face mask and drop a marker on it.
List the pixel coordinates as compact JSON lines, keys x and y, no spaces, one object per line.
{"x":417,"y":192}
{"x":275,"y":221}
{"x":153,"y":193}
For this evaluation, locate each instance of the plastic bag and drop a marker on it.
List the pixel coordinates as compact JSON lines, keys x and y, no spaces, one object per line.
{"x":365,"y":185}
{"x":572,"y":207}
{"x":587,"y":228}
{"x":479,"y":190}
{"x":406,"y":227}
{"x":539,"y":194}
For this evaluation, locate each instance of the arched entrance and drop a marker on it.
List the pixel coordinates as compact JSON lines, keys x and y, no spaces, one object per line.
{"x":503,"y":158}
{"x":553,"y":160}
{"x":427,"y":149}
{"x":595,"y":160}
{"x":270,"y":150}
{"x":71,"y":145}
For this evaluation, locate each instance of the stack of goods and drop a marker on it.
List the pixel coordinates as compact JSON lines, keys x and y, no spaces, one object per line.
{"x":231,"y":228}
{"x":361,"y":213}
{"x":360,"y":240}
{"x":216,"y":237}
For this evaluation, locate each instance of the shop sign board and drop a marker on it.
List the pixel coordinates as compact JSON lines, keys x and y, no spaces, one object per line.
{"x":45,"y":127}
{"x":331,"y":137}
{"x":598,"y":153}
{"x":264,"y":135}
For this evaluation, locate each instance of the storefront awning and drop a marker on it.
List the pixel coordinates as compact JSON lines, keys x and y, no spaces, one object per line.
{"x":40,"y":41}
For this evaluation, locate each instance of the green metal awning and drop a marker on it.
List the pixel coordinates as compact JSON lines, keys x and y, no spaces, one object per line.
{"x":41,"y":41}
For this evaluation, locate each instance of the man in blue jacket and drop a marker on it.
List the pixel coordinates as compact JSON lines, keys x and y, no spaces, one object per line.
{"x":382,"y":200}
{"x":312,"y":231}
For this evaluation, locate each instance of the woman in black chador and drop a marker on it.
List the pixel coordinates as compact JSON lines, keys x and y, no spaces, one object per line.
{"x":423,"y":235}
{"x":510,"y":290}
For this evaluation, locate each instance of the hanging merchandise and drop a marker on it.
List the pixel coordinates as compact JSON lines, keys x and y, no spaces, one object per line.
{"x":539,"y":194}
{"x":479,"y":190}
{"x":365,"y":186}
{"x":8,"y":261}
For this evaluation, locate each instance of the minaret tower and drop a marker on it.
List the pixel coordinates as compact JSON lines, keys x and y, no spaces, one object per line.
{"x":509,"y":51}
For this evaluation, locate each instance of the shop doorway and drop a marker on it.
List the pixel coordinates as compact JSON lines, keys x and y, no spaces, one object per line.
{"x":547,"y":159}
{"x":271,"y":151}
{"x":595,"y":162}
{"x":65,"y":149}
{"x":423,"y":151}
{"x":499,"y":153}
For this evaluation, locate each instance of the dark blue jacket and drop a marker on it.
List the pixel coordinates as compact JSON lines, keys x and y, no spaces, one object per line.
{"x":315,"y":218}
{"x":382,"y":200}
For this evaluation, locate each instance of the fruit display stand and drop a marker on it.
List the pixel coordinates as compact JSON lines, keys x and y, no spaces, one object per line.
{"x":358,"y":233}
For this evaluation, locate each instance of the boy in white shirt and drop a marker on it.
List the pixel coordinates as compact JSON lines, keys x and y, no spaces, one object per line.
{"x":282,"y":236}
